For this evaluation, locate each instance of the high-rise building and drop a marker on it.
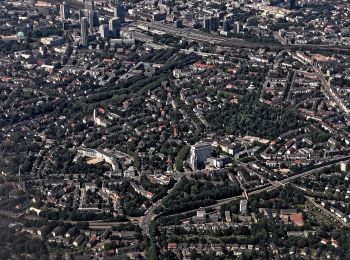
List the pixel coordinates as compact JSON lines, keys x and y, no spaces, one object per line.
{"x":199,"y":154}
{"x":237,"y":27}
{"x":96,"y":19}
{"x":226,"y":25}
{"x":119,"y":12}
{"x":178,"y":23}
{"x":65,"y":25}
{"x":64,"y":11}
{"x":206,"y":24}
{"x":158,"y":16}
{"x":82,"y":13}
{"x":89,"y":4}
{"x":243,"y":206}
{"x":93,"y":19}
{"x":214,"y":23}
{"x":114,"y":27}
{"x":84,"y":34}
{"x":293,"y":4}
{"x":104,"y":31}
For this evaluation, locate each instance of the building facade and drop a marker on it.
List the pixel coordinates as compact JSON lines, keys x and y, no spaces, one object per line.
{"x":84,"y":34}
{"x":199,"y":154}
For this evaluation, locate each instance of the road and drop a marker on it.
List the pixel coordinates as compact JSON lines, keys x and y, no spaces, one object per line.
{"x":96,"y":224}
{"x":150,"y":215}
{"x":198,"y":36}
{"x":326,"y":212}
{"x":144,"y":221}
{"x":106,"y":225}
{"x":329,"y":92}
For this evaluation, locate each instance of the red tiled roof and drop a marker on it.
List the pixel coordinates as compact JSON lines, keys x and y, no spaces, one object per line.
{"x":297,"y":219}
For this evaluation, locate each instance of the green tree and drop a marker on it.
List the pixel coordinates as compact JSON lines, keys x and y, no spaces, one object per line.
{"x":180,"y":157}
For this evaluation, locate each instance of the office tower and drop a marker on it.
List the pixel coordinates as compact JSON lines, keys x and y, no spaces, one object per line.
{"x":237,"y":27}
{"x":168,"y":10}
{"x":96,"y":19}
{"x":104,"y":31}
{"x":214,"y":23}
{"x":206,"y":24}
{"x":199,"y":154}
{"x":243,"y":206}
{"x":158,"y":16}
{"x":91,"y":19}
{"x":81,"y":14}
{"x":293,"y":4}
{"x":114,"y":27}
{"x":65,"y":25}
{"x":64,"y":11}
{"x":89,"y":4}
{"x":226,"y":25}
{"x":84,"y":25}
{"x":119,"y":12}
{"x":178,"y":23}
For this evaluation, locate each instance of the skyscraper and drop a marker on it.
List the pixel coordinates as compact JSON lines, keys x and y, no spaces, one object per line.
{"x":119,"y":12}
{"x":178,"y":23}
{"x":237,"y":27}
{"x":93,"y":19}
{"x":214,"y":23}
{"x":206,"y":24}
{"x":64,"y":10}
{"x":226,"y":25}
{"x":114,"y":27}
{"x":293,"y":4}
{"x":104,"y":31}
{"x":84,"y":25}
{"x":89,"y":4}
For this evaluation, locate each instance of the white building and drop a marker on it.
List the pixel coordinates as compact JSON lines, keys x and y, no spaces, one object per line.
{"x":201,"y":214}
{"x":199,"y":154}
{"x":344,"y":166}
{"x":243,"y":205}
